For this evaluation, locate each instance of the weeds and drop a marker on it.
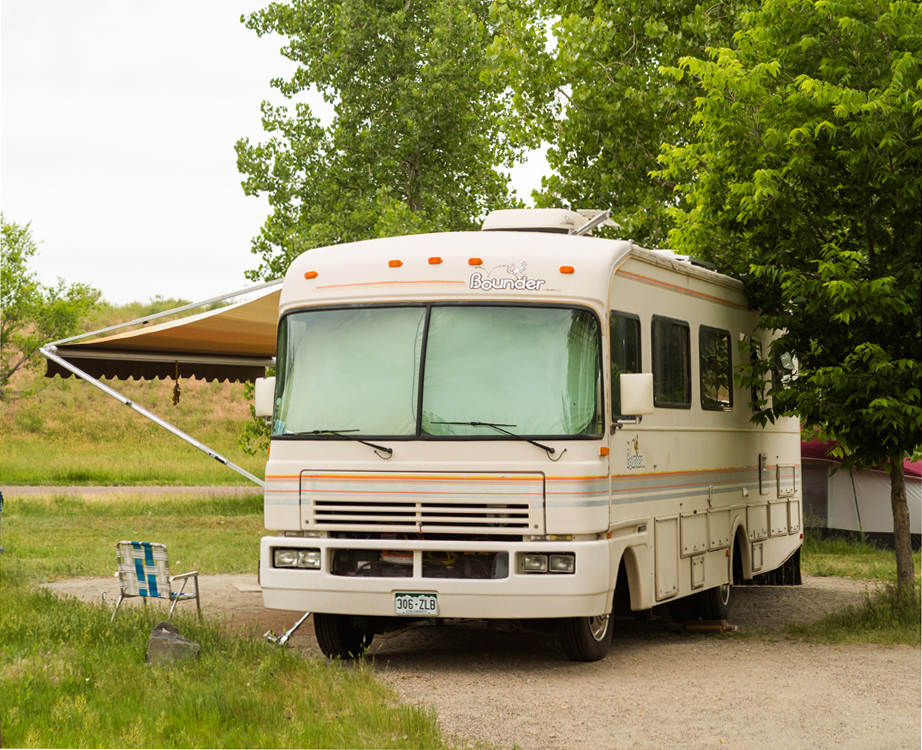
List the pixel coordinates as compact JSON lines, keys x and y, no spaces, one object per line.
{"x":63,"y":536}
{"x":73,"y":434}
{"x":883,"y":618}
{"x":847,"y":558}
{"x":70,"y":678}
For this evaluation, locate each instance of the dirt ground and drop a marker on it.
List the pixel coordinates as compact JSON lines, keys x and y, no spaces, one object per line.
{"x":658,"y":688}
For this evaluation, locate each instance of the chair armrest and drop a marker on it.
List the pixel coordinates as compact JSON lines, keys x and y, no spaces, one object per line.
{"x":184,"y":575}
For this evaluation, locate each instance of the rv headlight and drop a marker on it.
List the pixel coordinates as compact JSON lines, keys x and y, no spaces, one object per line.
{"x":309,"y":558}
{"x":534,"y":563}
{"x":562,"y":563}
{"x":286,"y":558}
{"x":296,"y":558}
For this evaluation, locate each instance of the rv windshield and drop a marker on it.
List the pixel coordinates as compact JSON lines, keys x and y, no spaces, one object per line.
{"x":409,"y":371}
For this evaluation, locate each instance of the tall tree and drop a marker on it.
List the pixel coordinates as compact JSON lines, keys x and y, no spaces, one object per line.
{"x":414,"y":144}
{"x":805,"y":180}
{"x":595,"y":93}
{"x":31,"y":315}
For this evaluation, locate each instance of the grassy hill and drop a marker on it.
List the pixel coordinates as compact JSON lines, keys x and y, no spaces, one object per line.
{"x":71,"y":433}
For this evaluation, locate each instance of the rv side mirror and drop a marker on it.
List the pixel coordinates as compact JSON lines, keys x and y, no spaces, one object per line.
{"x":637,"y":393}
{"x":265,"y":395}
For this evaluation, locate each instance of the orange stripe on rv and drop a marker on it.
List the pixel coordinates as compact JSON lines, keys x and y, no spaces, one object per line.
{"x":425,"y":477}
{"x":680,"y":290}
{"x":367,"y":284}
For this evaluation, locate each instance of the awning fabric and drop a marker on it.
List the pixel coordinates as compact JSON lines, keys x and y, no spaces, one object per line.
{"x":231,"y":343}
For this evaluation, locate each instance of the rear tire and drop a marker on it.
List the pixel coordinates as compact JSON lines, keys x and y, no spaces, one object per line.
{"x":682,"y":610}
{"x":338,"y":636}
{"x":586,"y":638}
{"x":714,"y":604}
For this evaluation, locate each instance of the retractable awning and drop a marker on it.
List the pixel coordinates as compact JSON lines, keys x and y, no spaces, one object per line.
{"x":234,"y":343}
{"x":230,"y":343}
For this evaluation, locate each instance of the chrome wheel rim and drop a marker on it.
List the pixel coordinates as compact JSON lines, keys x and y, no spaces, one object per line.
{"x":598,"y":626}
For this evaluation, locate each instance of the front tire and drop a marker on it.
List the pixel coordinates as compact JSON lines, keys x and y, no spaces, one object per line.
{"x":338,"y":636}
{"x":586,"y":638}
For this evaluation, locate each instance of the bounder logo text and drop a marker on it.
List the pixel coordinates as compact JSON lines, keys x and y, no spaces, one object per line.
{"x":505,"y":277}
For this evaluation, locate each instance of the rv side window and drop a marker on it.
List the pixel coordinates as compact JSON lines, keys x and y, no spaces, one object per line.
{"x":625,"y":353}
{"x":715,"y":366}
{"x":671,"y":363}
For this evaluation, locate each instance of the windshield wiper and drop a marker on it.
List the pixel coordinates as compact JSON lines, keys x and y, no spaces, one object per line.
{"x":344,"y":434}
{"x":499,"y":428}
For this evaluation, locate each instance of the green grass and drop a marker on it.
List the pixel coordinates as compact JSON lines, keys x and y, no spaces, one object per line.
{"x":69,"y":678}
{"x":68,"y":537}
{"x":846,"y":558}
{"x":71,"y":433}
{"x":881,"y":618}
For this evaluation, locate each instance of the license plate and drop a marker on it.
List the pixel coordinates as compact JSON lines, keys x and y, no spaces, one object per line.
{"x":416,"y":605}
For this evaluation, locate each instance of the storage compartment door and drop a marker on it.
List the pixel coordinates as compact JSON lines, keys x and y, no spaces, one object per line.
{"x":667,"y":557}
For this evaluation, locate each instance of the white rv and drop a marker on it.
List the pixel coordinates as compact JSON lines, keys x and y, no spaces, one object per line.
{"x":519,"y":423}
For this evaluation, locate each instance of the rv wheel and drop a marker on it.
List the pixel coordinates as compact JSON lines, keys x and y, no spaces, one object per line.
{"x":681,"y":610}
{"x":714,"y":604}
{"x":338,"y":636}
{"x":586,"y":638}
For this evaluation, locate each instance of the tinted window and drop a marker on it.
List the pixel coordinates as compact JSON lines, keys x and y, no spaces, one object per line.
{"x":671,"y":363}
{"x":715,"y":368}
{"x":625,"y":353}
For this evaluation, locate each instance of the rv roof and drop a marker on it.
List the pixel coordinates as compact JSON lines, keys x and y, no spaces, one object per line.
{"x":558,"y":220}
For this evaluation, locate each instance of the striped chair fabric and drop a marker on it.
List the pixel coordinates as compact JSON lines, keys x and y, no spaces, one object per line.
{"x":144,"y":570}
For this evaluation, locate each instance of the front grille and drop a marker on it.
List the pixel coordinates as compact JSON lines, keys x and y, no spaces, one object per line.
{"x":447,"y":503}
{"x":434,"y":515}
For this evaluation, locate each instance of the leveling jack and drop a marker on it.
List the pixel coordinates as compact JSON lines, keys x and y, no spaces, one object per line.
{"x":281,"y":640}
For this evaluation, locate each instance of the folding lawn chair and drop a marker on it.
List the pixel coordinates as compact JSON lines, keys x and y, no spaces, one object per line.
{"x":144,"y":570}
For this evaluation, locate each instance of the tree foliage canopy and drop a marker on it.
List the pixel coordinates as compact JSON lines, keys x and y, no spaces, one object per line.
{"x":414,"y":144}
{"x":598,"y":98}
{"x":806,"y":179}
{"x":32,"y":314}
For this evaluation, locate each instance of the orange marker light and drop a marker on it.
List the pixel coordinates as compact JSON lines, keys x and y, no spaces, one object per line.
{"x":604,"y":450}
{"x":434,"y":261}
{"x":566,"y":269}
{"x":310,"y":275}
{"x":395,"y":263}
{"x":474,"y":262}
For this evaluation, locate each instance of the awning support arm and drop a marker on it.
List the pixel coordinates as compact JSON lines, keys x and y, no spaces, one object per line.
{"x":49,"y":353}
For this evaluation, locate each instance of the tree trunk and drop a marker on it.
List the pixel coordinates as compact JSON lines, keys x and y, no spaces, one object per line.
{"x":905,"y":574}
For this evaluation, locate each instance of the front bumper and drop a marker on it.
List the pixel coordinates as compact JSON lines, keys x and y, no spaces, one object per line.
{"x":585,"y":593}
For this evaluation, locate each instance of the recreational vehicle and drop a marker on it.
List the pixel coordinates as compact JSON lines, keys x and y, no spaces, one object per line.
{"x":525,"y":423}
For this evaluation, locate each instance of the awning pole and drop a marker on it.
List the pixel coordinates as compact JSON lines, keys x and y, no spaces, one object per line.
{"x":46,"y":352}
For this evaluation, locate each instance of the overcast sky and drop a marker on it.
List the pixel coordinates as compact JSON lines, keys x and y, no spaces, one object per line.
{"x":119,"y":119}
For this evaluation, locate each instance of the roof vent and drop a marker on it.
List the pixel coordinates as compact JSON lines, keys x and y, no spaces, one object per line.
{"x":692,"y":261}
{"x":555,"y":220}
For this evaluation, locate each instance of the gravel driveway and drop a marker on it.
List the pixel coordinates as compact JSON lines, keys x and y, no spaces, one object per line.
{"x":657,"y":688}
{"x":663,"y":691}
